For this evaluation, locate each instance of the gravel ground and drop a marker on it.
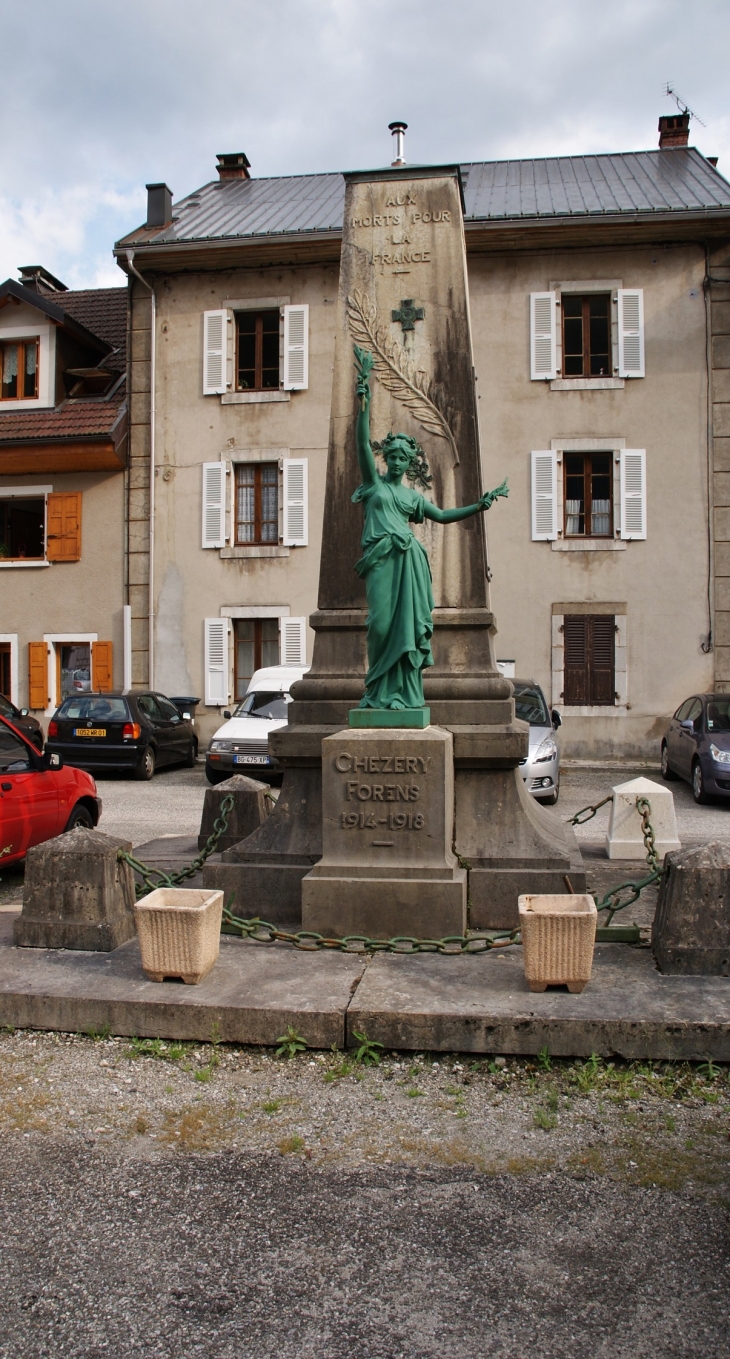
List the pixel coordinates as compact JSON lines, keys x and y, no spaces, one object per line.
{"x":183,"y":1200}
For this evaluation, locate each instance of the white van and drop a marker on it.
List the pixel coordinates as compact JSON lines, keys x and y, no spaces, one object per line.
{"x":241,"y":745}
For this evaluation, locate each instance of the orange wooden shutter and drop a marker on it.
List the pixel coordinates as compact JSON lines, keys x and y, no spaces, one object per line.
{"x":38,"y":696}
{"x":63,"y":528}
{"x":101,"y":667}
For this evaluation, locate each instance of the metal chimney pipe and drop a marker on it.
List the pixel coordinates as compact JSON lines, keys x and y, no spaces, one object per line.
{"x":398,"y":129}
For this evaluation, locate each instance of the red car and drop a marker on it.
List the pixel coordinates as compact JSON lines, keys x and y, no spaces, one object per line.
{"x":39,"y":796}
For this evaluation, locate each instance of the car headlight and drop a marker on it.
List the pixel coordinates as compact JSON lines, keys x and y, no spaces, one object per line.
{"x":547,"y":750}
{"x":719,"y":756}
{"x":221,"y":745}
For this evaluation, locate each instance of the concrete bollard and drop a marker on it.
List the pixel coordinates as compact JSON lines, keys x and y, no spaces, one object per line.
{"x":625,"y":839}
{"x":77,"y":894}
{"x":691,"y":932}
{"x":251,"y":808}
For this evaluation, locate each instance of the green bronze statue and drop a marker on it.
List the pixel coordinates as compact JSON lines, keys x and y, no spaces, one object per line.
{"x":394,"y":565}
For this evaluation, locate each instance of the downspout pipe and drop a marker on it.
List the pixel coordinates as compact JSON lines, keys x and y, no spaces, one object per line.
{"x":151,"y":585}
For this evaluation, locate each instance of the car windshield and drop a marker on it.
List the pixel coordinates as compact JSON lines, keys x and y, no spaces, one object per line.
{"x":94,"y":708}
{"x":263,"y":704}
{"x":530,"y":705}
{"x":6,"y":708}
{"x":718,"y":714}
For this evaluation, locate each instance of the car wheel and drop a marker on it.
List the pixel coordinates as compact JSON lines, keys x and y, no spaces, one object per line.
{"x":192,"y":755}
{"x":698,"y":784}
{"x":80,"y":816}
{"x":146,"y":767}
{"x":552,"y":799}
{"x":667,"y":772}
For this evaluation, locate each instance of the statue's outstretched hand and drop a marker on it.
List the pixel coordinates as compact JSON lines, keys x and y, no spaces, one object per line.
{"x":364,"y":363}
{"x":489,"y":497}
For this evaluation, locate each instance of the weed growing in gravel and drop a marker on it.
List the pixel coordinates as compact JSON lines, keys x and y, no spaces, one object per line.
{"x":99,"y":1035}
{"x":368,"y":1052}
{"x":414,"y":1092}
{"x":290,"y":1144}
{"x":290,"y":1043}
{"x":155,"y":1047}
{"x":271,"y":1106}
{"x":544,"y":1119}
{"x":543,"y":1059}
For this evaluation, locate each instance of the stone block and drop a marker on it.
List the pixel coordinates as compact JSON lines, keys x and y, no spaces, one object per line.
{"x":721,"y":384}
{"x":721,"y":520}
{"x":270,"y":891}
{"x":722,"y":628}
{"x":625,"y":839}
{"x":722,"y":558}
{"x":251,"y":807}
{"x":387,"y":865}
{"x":77,"y":894}
{"x":721,"y":351}
{"x":720,"y":318}
{"x":691,"y":933}
{"x":721,"y":447}
{"x":721,"y":419}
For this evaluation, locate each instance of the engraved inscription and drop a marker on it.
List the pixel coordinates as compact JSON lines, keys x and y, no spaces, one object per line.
{"x":370,"y":795}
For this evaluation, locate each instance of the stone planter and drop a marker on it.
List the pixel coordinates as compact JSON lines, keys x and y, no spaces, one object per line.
{"x":558,"y":934}
{"x":179,"y":932}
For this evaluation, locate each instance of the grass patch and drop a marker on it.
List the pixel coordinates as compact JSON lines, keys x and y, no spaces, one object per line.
{"x":291,"y":1144}
{"x":544,"y":1119}
{"x":271,"y":1106}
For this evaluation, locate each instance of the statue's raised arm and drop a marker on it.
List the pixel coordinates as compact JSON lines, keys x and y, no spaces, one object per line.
{"x":364,"y":366}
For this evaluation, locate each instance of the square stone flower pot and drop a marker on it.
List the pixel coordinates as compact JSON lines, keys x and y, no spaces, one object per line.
{"x":179,"y":932}
{"x":558,"y":934}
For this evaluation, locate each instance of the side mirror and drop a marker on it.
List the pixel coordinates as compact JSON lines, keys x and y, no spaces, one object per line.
{"x":186,"y":717}
{"x":24,"y":712}
{"x":556,"y":719}
{"x":51,"y":760}
{"x":687,"y":725}
{"x":226,"y":714}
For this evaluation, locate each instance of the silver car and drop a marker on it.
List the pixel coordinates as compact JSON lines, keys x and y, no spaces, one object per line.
{"x":541,"y":767}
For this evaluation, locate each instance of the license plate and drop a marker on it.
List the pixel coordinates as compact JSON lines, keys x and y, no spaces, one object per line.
{"x":250,"y":759}
{"x":89,"y":731}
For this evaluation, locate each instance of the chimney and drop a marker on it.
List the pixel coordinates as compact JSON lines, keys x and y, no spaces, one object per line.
{"x":159,"y":205}
{"x":233,"y":165}
{"x":673,"y":130}
{"x":399,"y":130}
{"x":38,"y":280}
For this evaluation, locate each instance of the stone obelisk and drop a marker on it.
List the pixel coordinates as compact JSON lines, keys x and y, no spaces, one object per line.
{"x":403,"y":296}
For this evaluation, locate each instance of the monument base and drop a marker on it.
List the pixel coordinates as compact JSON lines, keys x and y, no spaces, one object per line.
{"x":419,"y":718}
{"x":383,"y":908}
{"x":387,"y":865}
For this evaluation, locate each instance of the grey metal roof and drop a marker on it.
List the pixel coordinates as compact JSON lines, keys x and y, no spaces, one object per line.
{"x":678,"y":180}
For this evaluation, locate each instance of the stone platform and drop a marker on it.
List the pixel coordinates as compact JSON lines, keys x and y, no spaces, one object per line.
{"x":479,"y":1004}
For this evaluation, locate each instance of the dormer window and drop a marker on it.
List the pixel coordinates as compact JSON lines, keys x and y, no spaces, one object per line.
{"x":19,"y":370}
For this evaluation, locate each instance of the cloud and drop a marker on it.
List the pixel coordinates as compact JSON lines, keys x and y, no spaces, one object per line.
{"x":153,"y":90}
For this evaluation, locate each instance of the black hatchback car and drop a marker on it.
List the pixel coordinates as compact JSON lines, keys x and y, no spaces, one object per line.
{"x":696,"y":746}
{"x":22,"y":719}
{"x":137,"y":732}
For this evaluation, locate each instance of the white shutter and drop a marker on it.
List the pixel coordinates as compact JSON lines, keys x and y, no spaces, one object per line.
{"x":633,"y":493}
{"x":544,"y":496}
{"x":214,"y":504}
{"x":216,"y":662}
{"x":295,"y":502}
{"x":543,"y":345}
{"x":296,"y":348}
{"x":293,"y":641}
{"x":630,"y":332}
{"x":215,"y":341}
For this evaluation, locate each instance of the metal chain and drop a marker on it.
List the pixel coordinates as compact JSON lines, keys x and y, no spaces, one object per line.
{"x":153,"y":878}
{"x":263,"y":932}
{"x":579,"y":819}
{"x":612,"y":901}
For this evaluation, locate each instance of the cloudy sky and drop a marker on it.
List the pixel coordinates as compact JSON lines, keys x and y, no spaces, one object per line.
{"x":96,"y":100}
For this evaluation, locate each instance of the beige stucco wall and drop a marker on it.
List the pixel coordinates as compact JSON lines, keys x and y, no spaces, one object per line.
{"x":73,"y":598}
{"x":192,"y":583}
{"x":663,"y":580}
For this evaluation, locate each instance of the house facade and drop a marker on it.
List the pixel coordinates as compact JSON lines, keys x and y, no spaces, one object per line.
{"x":601,"y":334}
{"x":63,"y":444}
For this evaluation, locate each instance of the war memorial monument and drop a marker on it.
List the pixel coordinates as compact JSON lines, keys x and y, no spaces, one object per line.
{"x":402,"y":809}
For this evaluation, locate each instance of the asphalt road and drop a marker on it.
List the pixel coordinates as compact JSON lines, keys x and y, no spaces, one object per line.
{"x":233,"y":1257}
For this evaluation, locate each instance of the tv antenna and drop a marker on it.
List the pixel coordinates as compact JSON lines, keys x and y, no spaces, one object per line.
{"x":681,"y":105}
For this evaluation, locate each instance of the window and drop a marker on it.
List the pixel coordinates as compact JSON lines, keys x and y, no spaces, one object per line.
{"x":589,"y":676}
{"x":530,"y":706}
{"x":19,"y":364}
{"x":588,"y":495}
{"x":257,"y":645}
{"x":87,"y":709}
{"x":5,"y":666}
{"x":262,"y":704}
{"x":257,"y":351}
{"x":13,"y":754}
{"x":73,"y":660}
{"x":587,"y":335}
{"x":257,"y":502}
{"x":22,"y":529}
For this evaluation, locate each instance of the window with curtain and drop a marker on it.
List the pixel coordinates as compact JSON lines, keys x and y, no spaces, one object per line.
{"x":257,"y":645}
{"x":257,"y":368}
{"x":588,"y":495}
{"x":257,"y":502}
{"x":18,"y":370}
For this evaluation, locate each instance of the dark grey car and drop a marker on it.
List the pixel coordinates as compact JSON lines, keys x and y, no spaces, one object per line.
{"x":696,"y":746}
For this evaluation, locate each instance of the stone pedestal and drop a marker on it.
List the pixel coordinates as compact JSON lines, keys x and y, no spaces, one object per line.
{"x":691,"y":931}
{"x":625,"y":839}
{"x":251,"y":806}
{"x":77,"y":894}
{"x":387,"y":865}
